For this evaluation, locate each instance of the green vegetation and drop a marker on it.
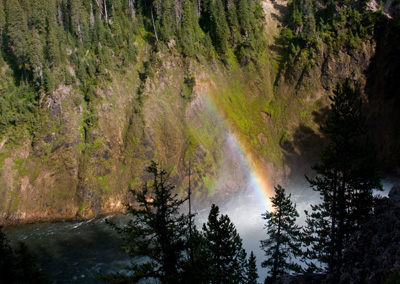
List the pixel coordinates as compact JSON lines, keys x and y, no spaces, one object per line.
{"x":17,"y":265}
{"x":14,"y":200}
{"x":49,"y":43}
{"x":174,"y":250}
{"x":104,"y":183}
{"x":314,"y":26}
{"x":223,"y":246}
{"x":3,"y":157}
{"x":333,"y":23}
{"x":346,"y":178}
{"x":19,"y":164}
{"x":284,"y":242}
{"x":251,"y":113}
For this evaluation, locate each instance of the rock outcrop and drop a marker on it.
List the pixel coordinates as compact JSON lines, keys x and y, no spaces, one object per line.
{"x":81,"y":157}
{"x":374,"y":253}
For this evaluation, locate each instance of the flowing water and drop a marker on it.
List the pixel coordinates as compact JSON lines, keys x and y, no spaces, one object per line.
{"x":72,"y":252}
{"x":75,"y":252}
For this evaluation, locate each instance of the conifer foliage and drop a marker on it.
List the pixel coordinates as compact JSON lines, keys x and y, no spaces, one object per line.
{"x":156,"y":231}
{"x":283,"y":244}
{"x":346,"y":178}
{"x":225,"y":254}
{"x":48,"y":43}
{"x":17,"y":265}
{"x":172,"y":253}
{"x":251,"y":274}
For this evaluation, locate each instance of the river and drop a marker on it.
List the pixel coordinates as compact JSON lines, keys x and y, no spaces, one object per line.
{"x":75,"y":252}
{"x":72,"y":252}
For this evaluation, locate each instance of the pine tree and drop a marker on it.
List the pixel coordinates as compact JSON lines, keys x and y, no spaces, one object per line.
{"x":196,"y":270}
{"x":167,"y":21}
{"x":39,"y":16}
{"x":283,"y":244}
{"x":296,"y":18}
{"x":251,"y":271}
{"x":207,"y":43}
{"x":34,"y":54}
{"x":233,"y":22}
{"x":221,"y":28}
{"x":244,"y":17}
{"x":188,"y":29}
{"x":18,"y":266}
{"x":48,"y":80}
{"x":53,"y":45}
{"x":78,"y":19}
{"x":346,"y":178}
{"x":16,"y":31}
{"x":156,"y":231}
{"x":2,"y":25}
{"x":225,"y":256}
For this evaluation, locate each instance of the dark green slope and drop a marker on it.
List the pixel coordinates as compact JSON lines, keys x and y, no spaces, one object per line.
{"x":90,"y":91}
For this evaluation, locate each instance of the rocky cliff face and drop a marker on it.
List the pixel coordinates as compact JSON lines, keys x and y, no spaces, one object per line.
{"x":66,"y":168}
{"x":72,"y":168}
{"x":370,"y":67}
{"x":382,"y":89}
{"x":81,"y":158}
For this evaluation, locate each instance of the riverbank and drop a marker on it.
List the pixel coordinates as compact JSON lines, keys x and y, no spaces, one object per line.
{"x":10,"y":222}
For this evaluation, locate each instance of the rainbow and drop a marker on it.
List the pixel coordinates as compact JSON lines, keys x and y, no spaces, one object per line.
{"x":259,"y":183}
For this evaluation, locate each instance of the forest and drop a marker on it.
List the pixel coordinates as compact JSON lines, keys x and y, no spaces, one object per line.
{"x":176,"y":251}
{"x":46,"y":45}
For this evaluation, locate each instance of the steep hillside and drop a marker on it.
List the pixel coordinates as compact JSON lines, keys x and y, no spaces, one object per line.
{"x":322,"y":44}
{"x":116,"y":84}
{"x":121,"y":84}
{"x":376,"y":244}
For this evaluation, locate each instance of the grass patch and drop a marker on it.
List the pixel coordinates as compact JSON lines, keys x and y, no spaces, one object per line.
{"x":104,"y":183}
{"x":192,"y":144}
{"x":19,"y":165}
{"x":3,"y":157}
{"x":209,"y":185}
{"x":61,"y":194}
{"x":14,"y":200}
{"x":244,"y":112}
{"x":97,"y":144}
{"x":121,"y":167}
{"x":135,"y":183}
{"x":318,"y":103}
{"x":272,"y":108}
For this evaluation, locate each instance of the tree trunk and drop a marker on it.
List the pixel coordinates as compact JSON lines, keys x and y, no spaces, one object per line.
{"x":333,"y":225}
{"x":278,"y":243}
{"x":132,"y":9}
{"x":342,"y":223}
{"x":105,"y":12}
{"x":190,"y":223}
{"x":154,"y":26}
